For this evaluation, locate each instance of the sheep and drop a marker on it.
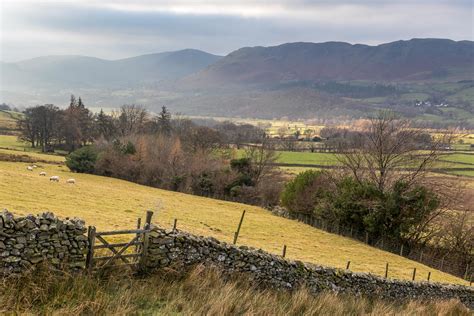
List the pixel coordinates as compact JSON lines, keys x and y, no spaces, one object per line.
{"x":29,"y":168}
{"x":42,"y":173}
{"x":71,"y":181}
{"x":54,"y":178}
{"x":35,"y":166}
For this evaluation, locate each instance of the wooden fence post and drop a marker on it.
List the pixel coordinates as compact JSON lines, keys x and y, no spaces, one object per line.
{"x":284,"y":251}
{"x":414,"y":274}
{"x":348,"y":265}
{"x":467,"y":270}
{"x":90,"y":253}
{"x":421,"y":256}
{"x":429,"y":276}
{"x":236,"y":235}
{"x":401,"y":250}
{"x":367,"y":238}
{"x":146,"y":237}
{"x":149,"y":215}
{"x":386,"y":270}
{"x":174,"y":224}
{"x":139,"y":224}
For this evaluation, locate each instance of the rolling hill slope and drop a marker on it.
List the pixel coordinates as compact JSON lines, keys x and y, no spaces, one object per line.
{"x":417,"y":59}
{"x":78,"y":72}
{"x":111,"y":204}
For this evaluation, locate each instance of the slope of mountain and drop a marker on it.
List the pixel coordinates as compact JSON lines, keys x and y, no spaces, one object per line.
{"x":417,"y":59}
{"x":82,"y":71}
{"x":418,"y":77}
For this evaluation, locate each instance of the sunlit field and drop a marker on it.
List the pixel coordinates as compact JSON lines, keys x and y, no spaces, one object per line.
{"x":113,"y":204}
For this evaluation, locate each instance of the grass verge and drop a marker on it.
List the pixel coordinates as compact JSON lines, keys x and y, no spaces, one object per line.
{"x":200,"y":291}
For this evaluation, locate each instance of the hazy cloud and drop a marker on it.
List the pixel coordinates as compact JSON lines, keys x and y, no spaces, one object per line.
{"x":115,"y":29}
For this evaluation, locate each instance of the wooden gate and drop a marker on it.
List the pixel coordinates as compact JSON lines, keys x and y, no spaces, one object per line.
{"x":129,"y":253}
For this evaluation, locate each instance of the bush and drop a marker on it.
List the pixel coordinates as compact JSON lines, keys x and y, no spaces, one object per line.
{"x":398,"y":213}
{"x":82,"y":160}
{"x":300,"y":194}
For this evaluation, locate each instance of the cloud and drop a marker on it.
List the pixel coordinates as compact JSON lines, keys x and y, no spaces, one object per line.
{"x":115,"y":29}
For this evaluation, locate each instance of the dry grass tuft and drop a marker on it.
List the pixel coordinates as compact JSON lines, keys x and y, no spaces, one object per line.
{"x":201,"y":291}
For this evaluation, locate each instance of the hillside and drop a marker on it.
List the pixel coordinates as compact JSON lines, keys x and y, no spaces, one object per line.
{"x":306,"y":80}
{"x":417,"y":59}
{"x":84,"y":71}
{"x":429,"y":80}
{"x":110,"y":204}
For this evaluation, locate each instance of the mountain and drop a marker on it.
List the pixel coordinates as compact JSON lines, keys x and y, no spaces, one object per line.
{"x":428,"y":78}
{"x":417,"y":59}
{"x":78,"y":72}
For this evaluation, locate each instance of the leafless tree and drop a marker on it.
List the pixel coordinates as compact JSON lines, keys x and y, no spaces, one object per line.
{"x":390,"y":151}
{"x":131,"y":119}
{"x":261,"y":158}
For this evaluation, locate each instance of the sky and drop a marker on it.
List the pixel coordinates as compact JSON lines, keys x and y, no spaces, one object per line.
{"x":114,"y":29}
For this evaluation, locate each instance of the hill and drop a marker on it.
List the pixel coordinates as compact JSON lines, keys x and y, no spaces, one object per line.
{"x":111,"y":204}
{"x":417,"y":59}
{"x":418,"y":78}
{"x":84,"y":71}
{"x":429,"y":80}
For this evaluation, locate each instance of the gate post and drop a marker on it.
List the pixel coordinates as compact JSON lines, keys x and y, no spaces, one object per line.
{"x":90,"y":251}
{"x":146,"y":237}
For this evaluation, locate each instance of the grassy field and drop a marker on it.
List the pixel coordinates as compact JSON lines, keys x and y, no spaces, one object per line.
{"x":302,"y":158}
{"x":197,"y":292}
{"x":8,"y":120}
{"x":449,"y":161}
{"x":110,"y":203}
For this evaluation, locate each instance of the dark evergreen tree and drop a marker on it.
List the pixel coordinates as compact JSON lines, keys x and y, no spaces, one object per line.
{"x":164,"y":121}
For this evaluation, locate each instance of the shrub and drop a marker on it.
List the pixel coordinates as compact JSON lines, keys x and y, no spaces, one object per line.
{"x":300,"y":194}
{"x":82,"y":160}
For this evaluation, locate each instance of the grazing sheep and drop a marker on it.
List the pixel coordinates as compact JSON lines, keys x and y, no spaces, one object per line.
{"x":29,"y":168}
{"x":54,"y":178}
{"x":35,"y":166}
{"x":72,"y":181}
{"x":42,"y":173}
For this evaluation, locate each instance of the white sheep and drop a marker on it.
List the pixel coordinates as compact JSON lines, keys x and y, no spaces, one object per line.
{"x":42,"y":173}
{"x":54,"y":178}
{"x":72,"y":181}
{"x":29,"y":168}
{"x":35,"y":166}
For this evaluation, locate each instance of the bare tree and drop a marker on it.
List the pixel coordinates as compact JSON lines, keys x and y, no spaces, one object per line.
{"x":131,"y":119}
{"x":261,"y":158}
{"x":390,"y":151}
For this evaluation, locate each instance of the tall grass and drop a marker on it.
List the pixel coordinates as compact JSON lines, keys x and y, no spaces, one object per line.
{"x":201,"y":291}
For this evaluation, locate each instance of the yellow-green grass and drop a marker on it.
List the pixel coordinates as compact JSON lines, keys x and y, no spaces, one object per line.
{"x":110,"y":203}
{"x":12,"y":142}
{"x":462,"y":158}
{"x":468,"y":173}
{"x":302,"y":158}
{"x":8,"y":119}
{"x":297,"y":170}
{"x":10,"y":145}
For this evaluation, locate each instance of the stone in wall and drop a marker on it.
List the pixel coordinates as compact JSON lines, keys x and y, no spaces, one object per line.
{"x":30,"y":240}
{"x":180,"y":249}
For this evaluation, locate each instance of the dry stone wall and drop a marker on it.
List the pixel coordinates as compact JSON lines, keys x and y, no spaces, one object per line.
{"x":179,"y":249}
{"x":31,"y":240}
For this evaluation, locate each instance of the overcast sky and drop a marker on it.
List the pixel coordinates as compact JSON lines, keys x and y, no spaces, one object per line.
{"x":115,"y":29}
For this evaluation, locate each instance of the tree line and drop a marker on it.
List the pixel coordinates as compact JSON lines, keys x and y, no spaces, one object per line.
{"x":383,"y":189}
{"x":163,"y":151}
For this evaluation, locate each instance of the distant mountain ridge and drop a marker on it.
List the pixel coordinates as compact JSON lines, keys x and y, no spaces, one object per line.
{"x":416,"y":59}
{"x":73,"y":71}
{"x":297,"y":80}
